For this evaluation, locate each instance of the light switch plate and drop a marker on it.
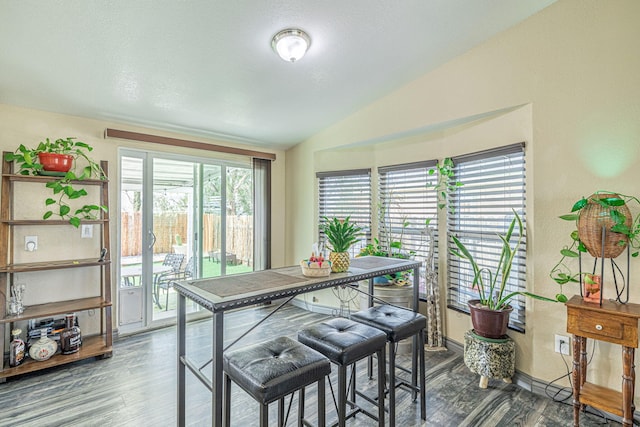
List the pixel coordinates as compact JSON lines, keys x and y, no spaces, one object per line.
{"x":87,"y":231}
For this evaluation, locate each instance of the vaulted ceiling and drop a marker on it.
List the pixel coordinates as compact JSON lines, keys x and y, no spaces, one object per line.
{"x":206,"y":67}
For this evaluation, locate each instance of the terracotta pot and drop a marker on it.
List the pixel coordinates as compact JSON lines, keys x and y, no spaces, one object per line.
{"x":489,"y":323}
{"x":54,"y":162}
{"x":593,"y":218}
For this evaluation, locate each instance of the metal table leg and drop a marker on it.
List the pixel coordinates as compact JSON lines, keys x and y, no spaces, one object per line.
{"x":216,"y":355}
{"x":181,"y":323}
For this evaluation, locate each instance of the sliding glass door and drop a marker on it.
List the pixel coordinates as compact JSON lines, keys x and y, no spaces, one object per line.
{"x":180,"y":218}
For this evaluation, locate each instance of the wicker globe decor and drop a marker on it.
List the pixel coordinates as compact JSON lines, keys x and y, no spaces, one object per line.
{"x":597,"y":218}
{"x":605,"y":228}
{"x":340,"y":261}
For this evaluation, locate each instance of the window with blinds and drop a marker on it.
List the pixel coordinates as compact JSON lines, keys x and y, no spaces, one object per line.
{"x":346,"y":193}
{"x":494,"y":185}
{"x":406,"y":204}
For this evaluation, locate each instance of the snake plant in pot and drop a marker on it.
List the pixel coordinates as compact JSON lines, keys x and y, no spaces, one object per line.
{"x":490,"y":312}
{"x":341,"y":234}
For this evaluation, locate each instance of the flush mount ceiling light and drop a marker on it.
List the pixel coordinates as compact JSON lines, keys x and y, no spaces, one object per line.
{"x":291,"y":44}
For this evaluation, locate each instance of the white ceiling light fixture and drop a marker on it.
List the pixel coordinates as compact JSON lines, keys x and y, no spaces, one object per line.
{"x":291,"y":44}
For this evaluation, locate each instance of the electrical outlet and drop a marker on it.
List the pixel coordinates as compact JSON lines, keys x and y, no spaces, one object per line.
{"x":562,"y":344}
{"x":30,"y":243}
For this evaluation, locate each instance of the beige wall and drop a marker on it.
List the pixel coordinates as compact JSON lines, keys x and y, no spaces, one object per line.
{"x":566,"y":82}
{"x":25,"y":126}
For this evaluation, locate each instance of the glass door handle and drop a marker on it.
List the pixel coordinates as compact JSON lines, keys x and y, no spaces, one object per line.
{"x":153,"y":239}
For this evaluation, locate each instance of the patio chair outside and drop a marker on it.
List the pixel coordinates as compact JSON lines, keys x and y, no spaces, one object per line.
{"x":165,"y":280}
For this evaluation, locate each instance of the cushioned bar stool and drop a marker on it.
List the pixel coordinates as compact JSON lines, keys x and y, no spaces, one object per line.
{"x":345,"y":342}
{"x":398,"y":324}
{"x":272,"y":370}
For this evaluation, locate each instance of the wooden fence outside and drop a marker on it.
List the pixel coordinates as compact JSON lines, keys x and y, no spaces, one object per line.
{"x":168,"y":225}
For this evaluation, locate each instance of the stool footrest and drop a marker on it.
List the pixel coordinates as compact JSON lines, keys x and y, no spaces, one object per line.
{"x":353,"y":412}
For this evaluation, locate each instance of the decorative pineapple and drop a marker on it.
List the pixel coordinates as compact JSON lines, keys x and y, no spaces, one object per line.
{"x":340,"y":261}
{"x":341,"y":234}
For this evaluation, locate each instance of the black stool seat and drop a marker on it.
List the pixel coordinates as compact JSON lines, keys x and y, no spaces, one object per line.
{"x":342,"y":340}
{"x":397,"y":323}
{"x":271,"y":370}
{"x":345,"y":342}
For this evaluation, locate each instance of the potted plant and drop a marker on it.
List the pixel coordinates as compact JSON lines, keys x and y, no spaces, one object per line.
{"x":490,"y":312}
{"x":604,"y":212}
{"x":51,"y":158}
{"x":395,"y":251}
{"x":341,"y":234}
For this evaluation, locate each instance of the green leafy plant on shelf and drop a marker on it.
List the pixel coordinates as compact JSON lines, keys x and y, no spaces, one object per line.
{"x":66,"y":185}
{"x":618,"y":220}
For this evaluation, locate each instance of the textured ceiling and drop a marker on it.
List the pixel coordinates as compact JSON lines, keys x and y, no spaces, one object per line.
{"x":206,"y":68}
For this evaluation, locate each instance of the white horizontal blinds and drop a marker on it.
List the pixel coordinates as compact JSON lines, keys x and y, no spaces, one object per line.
{"x":346,"y":193}
{"x":494,"y":184}
{"x":406,"y":203}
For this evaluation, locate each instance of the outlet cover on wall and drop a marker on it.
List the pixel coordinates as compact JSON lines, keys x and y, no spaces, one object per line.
{"x":30,"y":243}
{"x":561,"y":344}
{"x":87,"y":231}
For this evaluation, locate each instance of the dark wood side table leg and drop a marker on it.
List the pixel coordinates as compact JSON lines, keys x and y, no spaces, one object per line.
{"x":628,"y":381}
{"x":577,"y":377}
{"x":583,"y":361}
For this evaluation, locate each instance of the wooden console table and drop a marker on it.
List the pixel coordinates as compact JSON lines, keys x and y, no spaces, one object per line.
{"x":610,"y":322}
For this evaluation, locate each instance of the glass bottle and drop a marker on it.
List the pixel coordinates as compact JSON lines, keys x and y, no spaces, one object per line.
{"x":16,"y":355}
{"x":70,"y":338}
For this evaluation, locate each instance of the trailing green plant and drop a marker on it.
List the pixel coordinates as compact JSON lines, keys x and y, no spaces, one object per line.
{"x":562,"y":273}
{"x":492,"y":285}
{"x":26,"y":158}
{"x":445,"y":184}
{"x":63,"y":187}
{"x":341,"y":233}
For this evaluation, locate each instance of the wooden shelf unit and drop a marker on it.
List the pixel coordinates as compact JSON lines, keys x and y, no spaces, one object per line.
{"x":99,"y":345}
{"x":94,"y":346}
{"x":610,"y":322}
{"x":51,"y":265}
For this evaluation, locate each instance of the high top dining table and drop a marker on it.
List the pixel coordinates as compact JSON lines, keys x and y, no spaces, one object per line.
{"x":220,"y":294}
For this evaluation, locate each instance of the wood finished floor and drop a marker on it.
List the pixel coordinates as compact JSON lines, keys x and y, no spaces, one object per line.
{"x":137,"y":387}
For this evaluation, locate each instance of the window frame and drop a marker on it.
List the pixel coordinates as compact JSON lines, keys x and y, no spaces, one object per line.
{"x":353,"y":200}
{"x":497,"y":178}
{"x":406,"y":202}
